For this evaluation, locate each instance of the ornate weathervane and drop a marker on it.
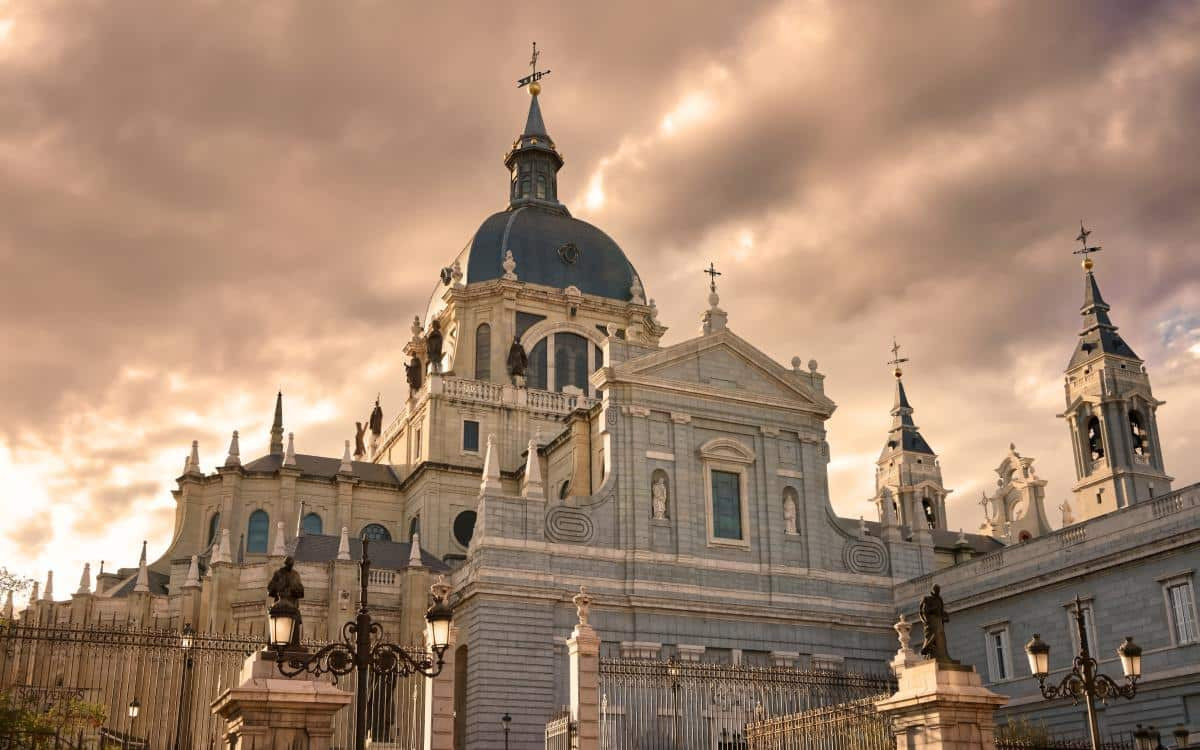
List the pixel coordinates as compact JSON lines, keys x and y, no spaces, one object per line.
{"x":535,"y":75}
{"x":713,"y":273}
{"x":896,"y":359}
{"x":1086,"y":251}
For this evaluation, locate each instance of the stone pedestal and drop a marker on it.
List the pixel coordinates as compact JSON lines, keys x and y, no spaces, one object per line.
{"x":439,"y":702}
{"x":268,"y":711}
{"x":583,"y":649}
{"x":942,"y":706}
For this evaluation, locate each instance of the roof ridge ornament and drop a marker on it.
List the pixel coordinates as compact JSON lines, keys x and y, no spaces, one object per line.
{"x":1086,"y":251}
{"x":534,"y":76}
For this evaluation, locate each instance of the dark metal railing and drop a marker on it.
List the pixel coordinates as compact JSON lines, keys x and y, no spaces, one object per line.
{"x":687,"y":705}
{"x":560,"y":732}
{"x":174,"y":686}
{"x":854,"y":724}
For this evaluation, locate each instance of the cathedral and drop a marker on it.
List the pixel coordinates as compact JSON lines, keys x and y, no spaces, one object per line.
{"x":549,"y":440}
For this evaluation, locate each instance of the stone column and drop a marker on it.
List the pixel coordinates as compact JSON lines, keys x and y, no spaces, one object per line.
{"x":583,"y":650}
{"x":439,"y":702}
{"x":268,"y":711}
{"x":941,"y":706}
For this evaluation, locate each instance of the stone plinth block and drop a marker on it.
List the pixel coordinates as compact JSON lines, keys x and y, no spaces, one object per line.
{"x":942,"y":707}
{"x":268,"y":711}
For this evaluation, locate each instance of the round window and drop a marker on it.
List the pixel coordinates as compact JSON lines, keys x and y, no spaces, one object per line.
{"x":464,"y":527}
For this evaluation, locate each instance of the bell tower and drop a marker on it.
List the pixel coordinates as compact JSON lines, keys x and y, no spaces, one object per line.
{"x":1111,"y":411}
{"x":908,"y":477}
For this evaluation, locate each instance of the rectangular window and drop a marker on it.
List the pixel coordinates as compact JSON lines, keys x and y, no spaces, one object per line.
{"x":470,"y":436}
{"x":1182,"y":604}
{"x":417,"y":445}
{"x":727,"y":505}
{"x":999,"y":664}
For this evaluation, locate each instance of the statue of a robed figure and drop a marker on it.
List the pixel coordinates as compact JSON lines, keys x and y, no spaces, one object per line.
{"x":933,"y":622}
{"x":287,"y":590}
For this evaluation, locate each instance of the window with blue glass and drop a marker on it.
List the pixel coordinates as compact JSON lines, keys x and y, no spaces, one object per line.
{"x":470,"y":436}
{"x":374,"y":532}
{"x":570,"y":361}
{"x":311,"y":524}
{"x":727,"y":505}
{"x":535,"y":373}
{"x":258,"y":532}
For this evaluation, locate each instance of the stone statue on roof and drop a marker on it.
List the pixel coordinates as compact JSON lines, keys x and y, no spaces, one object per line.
{"x":360,"y":449}
{"x":412,"y":373}
{"x":518,"y":361}
{"x":376,"y":422}
{"x":433,"y":346}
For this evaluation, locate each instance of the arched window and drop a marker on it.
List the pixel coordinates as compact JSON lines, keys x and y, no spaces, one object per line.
{"x":1095,"y":440}
{"x":258,"y":532}
{"x":414,"y":527}
{"x":535,"y":373}
{"x":1140,"y":439}
{"x":570,"y":361}
{"x":374,"y":532}
{"x":927,"y":505}
{"x":214,"y":528}
{"x":464,"y":527}
{"x":311,"y":524}
{"x":541,"y":186}
{"x":483,"y":352}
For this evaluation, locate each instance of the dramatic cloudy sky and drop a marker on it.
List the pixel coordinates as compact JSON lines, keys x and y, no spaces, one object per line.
{"x":203,"y":202}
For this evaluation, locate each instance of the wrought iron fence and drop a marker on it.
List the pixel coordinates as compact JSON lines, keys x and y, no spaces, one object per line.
{"x":854,"y":725}
{"x":655,"y":705}
{"x":1122,"y":741}
{"x":560,"y":732}
{"x":174,"y":685}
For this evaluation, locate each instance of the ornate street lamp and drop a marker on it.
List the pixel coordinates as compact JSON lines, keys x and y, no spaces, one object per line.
{"x":132,"y":712}
{"x":362,"y":647}
{"x":1083,"y":681}
{"x":506,"y":720}
{"x":187,"y":638}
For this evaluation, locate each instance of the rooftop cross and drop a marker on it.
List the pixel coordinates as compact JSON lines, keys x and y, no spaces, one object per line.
{"x":535,"y":75}
{"x":1085,"y":251}
{"x":713,"y":273}
{"x":896,"y":359}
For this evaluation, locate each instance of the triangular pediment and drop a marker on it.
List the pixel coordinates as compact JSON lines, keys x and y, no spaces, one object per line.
{"x":724,"y":362}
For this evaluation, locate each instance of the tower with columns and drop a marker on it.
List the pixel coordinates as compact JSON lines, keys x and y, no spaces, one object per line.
{"x":908,"y":478}
{"x":1111,"y":412}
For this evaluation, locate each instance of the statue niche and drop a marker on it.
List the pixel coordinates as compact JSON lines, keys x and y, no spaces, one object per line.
{"x":659,"y":497}
{"x":790,"y":511}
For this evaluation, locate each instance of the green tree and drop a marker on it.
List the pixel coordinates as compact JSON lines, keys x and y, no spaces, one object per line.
{"x":36,"y":726}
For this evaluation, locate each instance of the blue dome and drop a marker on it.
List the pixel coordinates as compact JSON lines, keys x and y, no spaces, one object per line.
{"x":550,"y":248}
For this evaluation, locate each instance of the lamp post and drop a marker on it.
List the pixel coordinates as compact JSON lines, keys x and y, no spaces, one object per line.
{"x":362,"y":648}
{"x":1084,"y":681}
{"x":186,"y":639}
{"x":132,"y":712}
{"x":506,"y":720}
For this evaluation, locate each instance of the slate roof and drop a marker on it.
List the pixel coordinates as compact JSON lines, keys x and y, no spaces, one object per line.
{"x":904,"y":435}
{"x":385,"y":555}
{"x":1099,"y":335}
{"x":942,"y":539}
{"x":157,"y":582}
{"x":321,"y":466}
{"x":535,"y":235}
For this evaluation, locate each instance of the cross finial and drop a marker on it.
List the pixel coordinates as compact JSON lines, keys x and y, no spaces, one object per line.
{"x":535,"y":75}
{"x":896,"y":359}
{"x":1085,"y":251}
{"x":713,"y":273}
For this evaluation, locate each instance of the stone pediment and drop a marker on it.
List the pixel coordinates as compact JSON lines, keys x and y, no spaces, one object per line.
{"x":724,"y":363}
